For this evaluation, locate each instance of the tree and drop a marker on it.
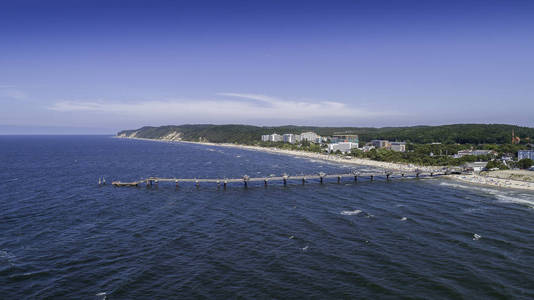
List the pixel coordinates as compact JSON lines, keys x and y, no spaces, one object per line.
{"x":496,"y":164}
{"x":525,"y":163}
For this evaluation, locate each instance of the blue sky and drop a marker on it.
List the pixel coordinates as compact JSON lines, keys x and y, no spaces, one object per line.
{"x":102,"y":66}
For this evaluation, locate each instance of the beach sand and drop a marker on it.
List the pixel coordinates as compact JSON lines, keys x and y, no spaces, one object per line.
{"x":494,"y":181}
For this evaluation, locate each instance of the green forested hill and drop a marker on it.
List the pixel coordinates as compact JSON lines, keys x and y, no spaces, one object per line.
{"x":246,"y":134}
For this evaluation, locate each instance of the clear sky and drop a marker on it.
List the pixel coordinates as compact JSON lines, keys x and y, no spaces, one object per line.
{"x":101,"y":66}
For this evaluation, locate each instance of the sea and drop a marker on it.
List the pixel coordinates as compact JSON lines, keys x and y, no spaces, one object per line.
{"x":64,"y":236}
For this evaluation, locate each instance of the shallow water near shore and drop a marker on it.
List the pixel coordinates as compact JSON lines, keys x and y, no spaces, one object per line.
{"x":64,"y":236}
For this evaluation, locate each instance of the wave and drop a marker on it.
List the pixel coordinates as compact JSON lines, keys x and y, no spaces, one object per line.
{"x":509,"y":199}
{"x":6,"y":255}
{"x":350,"y":213}
{"x":500,"y":195}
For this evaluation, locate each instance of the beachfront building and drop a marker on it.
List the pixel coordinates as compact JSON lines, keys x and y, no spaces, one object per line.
{"x":289,"y":138}
{"x":380,"y":144}
{"x":522,"y":154}
{"x":398,"y":146}
{"x":310,"y":137}
{"x":343,"y":147}
{"x":265,"y":138}
{"x":475,"y":166}
{"x":463,"y":153}
{"x":275,"y":138}
{"x":345,"y":138}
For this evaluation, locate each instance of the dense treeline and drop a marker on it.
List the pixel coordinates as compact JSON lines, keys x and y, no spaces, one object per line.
{"x":447,"y":134}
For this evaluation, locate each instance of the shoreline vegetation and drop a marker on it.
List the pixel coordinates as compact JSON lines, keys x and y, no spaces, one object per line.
{"x":486,"y":179}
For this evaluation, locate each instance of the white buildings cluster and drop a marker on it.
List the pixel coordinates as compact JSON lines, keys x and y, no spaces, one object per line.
{"x":343,"y":143}
{"x":291,"y":138}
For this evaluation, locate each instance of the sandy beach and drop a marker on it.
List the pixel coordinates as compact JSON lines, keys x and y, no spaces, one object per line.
{"x":467,"y":178}
{"x":494,"y":181}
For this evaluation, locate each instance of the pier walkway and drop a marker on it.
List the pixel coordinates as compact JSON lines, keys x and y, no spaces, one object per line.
{"x":322,"y":177}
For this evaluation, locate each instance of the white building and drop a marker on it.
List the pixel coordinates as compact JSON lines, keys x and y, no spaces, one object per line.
{"x":522,"y":154}
{"x":265,"y":138}
{"x":309,"y":136}
{"x":289,"y":138}
{"x":344,"y":147}
{"x":463,"y":153}
{"x":275,"y":138}
{"x":475,"y":166}
{"x":398,"y":146}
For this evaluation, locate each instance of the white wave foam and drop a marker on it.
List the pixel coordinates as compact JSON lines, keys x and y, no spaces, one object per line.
{"x":350,"y":213}
{"x":509,"y":199}
{"x":476,"y":237}
{"x":500,"y":195}
{"x":404,"y":219}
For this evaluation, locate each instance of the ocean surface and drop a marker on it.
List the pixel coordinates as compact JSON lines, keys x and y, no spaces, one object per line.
{"x":64,"y":236}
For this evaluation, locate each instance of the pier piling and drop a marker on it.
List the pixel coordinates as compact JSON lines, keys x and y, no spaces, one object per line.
{"x":154,"y":181}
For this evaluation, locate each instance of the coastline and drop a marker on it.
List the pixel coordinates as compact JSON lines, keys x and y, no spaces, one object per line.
{"x":465,"y":178}
{"x":494,"y":181}
{"x":310,"y":155}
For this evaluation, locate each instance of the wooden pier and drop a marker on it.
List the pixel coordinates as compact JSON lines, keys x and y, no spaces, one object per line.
{"x":245,"y":180}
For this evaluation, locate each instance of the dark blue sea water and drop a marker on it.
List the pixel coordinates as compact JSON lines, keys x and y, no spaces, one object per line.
{"x":63,"y":236}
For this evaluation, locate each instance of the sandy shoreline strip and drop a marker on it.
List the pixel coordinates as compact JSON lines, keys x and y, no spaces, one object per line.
{"x":472,"y":179}
{"x":493,"y":181}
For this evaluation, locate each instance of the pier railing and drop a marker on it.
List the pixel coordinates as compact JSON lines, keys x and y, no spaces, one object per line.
{"x":245,"y":180}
